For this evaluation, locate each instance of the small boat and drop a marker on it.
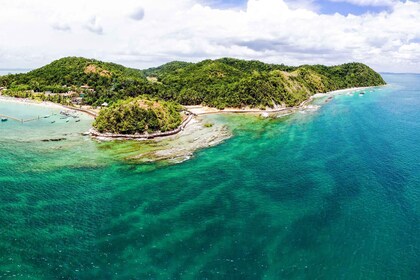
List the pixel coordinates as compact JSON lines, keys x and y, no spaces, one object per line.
{"x":361,"y":94}
{"x":67,"y":120}
{"x":46,"y":117}
{"x":4,"y":119}
{"x":53,"y":122}
{"x":78,"y":120}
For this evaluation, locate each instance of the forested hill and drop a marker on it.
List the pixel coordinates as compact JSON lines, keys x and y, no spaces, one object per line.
{"x":218,"y":83}
{"x":77,"y":73}
{"x":236,"y":83}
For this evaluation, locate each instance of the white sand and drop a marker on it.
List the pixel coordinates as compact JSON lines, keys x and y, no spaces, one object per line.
{"x":335,"y":92}
{"x":46,"y":104}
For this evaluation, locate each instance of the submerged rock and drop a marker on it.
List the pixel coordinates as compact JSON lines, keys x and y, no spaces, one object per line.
{"x":53,"y":140}
{"x":173,"y":149}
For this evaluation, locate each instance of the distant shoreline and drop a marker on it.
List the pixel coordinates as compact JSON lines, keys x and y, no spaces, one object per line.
{"x":318,"y":95}
{"x":46,"y":104}
{"x":204,"y":110}
{"x":195,"y":110}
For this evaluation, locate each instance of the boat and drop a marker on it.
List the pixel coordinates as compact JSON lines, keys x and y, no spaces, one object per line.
{"x":67,"y":120}
{"x":53,"y":122}
{"x":4,"y":119}
{"x":46,"y":117}
{"x":362,"y":93}
{"x":78,"y":120}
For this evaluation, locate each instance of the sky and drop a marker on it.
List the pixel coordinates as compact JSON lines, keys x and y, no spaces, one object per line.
{"x":384,"y":34}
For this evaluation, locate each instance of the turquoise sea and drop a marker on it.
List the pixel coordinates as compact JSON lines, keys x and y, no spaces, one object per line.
{"x":330,"y":194}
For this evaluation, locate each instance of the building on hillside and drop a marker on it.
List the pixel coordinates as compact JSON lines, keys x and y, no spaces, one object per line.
{"x":87,"y":88}
{"x":77,"y":100}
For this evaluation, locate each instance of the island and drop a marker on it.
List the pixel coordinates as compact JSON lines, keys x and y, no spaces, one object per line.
{"x":152,"y":102}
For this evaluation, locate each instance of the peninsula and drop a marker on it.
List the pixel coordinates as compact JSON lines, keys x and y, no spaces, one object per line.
{"x":152,"y":100}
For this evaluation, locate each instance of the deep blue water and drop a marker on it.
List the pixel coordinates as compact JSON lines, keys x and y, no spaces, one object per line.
{"x":332,"y":194}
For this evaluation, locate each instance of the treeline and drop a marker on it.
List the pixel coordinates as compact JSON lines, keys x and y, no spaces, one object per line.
{"x":218,"y":83}
{"x":57,"y":98}
{"x":72,"y":73}
{"x":237,"y":83}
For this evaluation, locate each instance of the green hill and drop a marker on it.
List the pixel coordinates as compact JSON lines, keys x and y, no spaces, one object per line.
{"x":100,"y":81}
{"x":217,"y":83}
{"x":231,"y":82}
{"x":138,"y":115}
{"x":166,"y":68}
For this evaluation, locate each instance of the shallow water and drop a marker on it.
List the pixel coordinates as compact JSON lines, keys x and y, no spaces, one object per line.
{"x":330,"y":194}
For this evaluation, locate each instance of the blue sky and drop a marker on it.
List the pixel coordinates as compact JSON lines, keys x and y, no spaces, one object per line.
{"x":322,"y":6}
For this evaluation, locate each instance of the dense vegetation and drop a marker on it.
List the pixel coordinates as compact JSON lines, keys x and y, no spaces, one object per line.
{"x":146,"y":100}
{"x":218,"y":83}
{"x":56,"y":98}
{"x":98,"y":81}
{"x":237,"y":83}
{"x":139,"y":115}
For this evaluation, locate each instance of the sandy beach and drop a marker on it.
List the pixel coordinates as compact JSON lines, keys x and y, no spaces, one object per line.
{"x":46,"y":104}
{"x":196,"y":110}
{"x":340,"y":91}
{"x":194,"y":134}
{"x":204,"y":110}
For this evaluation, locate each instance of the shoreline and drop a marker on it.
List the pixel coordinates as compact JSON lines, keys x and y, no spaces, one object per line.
{"x":193,"y":134}
{"x":335,"y":92}
{"x":45,"y":104}
{"x":199,"y":110}
{"x":204,"y":110}
{"x":146,"y":136}
{"x":194,"y":112}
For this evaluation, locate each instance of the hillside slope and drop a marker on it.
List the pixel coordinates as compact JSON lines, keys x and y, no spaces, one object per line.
{"x":230,"y":82}
{"x":138,"y":115}
{"x":217,"y":83}
{"x":106,"y":81}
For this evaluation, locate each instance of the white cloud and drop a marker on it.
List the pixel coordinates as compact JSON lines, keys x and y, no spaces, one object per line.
{"x":311,"y":5}
{"x":61,"y":26}
{"x":369,"y":2}
{"x":137,"y":14}
{"x":268,"y":30}
{"x":93,"y":26}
